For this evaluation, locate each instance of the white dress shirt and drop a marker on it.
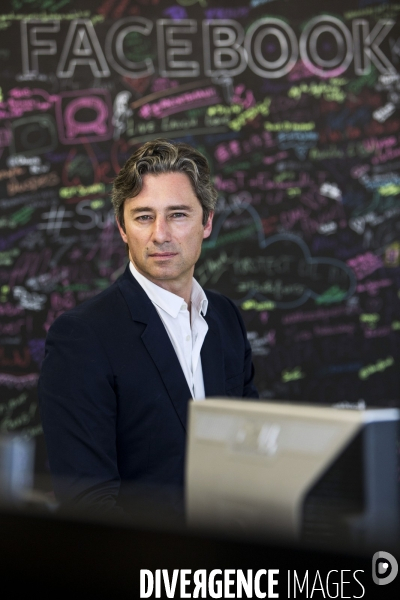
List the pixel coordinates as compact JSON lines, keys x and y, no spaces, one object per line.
{"x":186,"y":330}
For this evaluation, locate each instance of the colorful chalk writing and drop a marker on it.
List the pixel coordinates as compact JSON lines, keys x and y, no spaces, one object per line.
{"x":296,"y":107}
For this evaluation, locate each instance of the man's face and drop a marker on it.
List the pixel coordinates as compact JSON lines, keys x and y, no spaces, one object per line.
{"x":164,"y":230}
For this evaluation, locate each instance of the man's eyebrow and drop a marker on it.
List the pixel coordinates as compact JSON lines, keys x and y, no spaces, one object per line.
{"x":139,"y":209}
{"x":180,"y":207}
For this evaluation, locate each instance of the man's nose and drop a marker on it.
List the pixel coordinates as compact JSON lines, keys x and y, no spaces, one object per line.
{"x":161,"y":230}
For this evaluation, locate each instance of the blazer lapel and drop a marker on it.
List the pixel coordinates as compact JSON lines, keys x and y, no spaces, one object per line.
{"x":212,"y":358}
{"x":159,"y":346}
{"x":157,"y":342}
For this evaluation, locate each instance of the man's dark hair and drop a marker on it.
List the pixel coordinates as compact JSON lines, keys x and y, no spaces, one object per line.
{"x":162,"y":156}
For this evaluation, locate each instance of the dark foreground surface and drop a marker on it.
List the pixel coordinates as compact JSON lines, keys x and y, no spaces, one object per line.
{"x":71,"y":555}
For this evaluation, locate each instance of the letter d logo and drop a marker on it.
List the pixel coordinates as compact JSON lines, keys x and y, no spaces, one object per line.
{"x":384,"y":568}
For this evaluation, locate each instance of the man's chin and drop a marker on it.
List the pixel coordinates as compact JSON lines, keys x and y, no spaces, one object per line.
{"x":162,"y":273}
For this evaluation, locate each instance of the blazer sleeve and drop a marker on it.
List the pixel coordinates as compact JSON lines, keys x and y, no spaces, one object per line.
{"x":78,"y":411}
{"x":249,"y":389}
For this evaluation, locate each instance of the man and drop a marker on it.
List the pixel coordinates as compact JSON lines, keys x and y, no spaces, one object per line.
{"x":120,"y":368}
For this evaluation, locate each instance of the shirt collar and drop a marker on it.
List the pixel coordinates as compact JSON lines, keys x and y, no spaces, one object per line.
{"x":168,"y":301}
{"x":198,"y":298}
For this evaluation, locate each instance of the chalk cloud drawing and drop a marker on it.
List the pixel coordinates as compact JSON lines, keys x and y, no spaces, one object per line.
{"x":278,"y":269}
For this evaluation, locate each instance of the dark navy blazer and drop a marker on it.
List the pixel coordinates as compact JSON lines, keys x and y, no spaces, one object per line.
{"x":113,"y":396}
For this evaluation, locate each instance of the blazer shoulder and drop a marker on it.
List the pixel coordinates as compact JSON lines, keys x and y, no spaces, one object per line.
{"x":220,"y":302}
{"x":100,"y":302}
{"x":99,"y":311}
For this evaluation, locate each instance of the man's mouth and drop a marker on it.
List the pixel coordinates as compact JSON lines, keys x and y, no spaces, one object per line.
{"x":162,"y":254}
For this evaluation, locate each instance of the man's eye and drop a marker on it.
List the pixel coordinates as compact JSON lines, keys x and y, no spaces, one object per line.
{"x":178,"y":215}
{"x":143,"y":218}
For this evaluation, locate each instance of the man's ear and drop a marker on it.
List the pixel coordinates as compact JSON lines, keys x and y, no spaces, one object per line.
{"x":208,"y":225}
{"x":121,"y":231}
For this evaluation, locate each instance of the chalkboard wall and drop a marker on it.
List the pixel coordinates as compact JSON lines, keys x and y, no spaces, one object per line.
{"x":294,"y":103}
